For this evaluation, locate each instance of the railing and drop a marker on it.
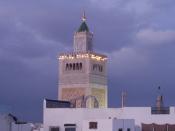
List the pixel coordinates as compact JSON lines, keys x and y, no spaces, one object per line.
{"x":160,"y":110}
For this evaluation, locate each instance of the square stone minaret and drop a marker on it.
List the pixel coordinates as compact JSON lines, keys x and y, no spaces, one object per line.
{"x":82,"y":73}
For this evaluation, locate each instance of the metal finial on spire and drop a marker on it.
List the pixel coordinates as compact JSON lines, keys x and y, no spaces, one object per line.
{"x":84,"y":16}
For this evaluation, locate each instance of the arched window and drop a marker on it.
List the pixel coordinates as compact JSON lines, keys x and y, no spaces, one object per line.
{"x":70,"y":66}
{"x":67,"y":66}
{"x":77,"y":66}
{"x":73,"y":66}
{"x":80,"y":66}
{"x":99,"y":68}
{"x":95,"y":66}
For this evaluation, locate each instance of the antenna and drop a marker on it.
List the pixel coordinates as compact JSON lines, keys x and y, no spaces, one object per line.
{"x":123,"y":99}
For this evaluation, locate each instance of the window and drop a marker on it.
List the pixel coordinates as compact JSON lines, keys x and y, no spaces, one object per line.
{"x":54,"y":129}
{"x":120,"y":129}
{"x":73,"y":66}
{"x":94,"y":67}
{"x":77,"y":66}
{"x":80,"y":66}
{"x":92,"y":125}
{"x":128,"y":129}
{"x":67,"y":66}
{"x":98,"y":67}
{"x":70,"y":129}
{"x":70,"y":66}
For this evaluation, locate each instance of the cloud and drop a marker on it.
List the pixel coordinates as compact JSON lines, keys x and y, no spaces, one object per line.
{"x":127,"y":60}
{"x":32,"y":34}
{"x":137,"y":6}
{"x":28,"y":60}
{"x":153,"y":37}
{"x":139,"y":70}
{"x":105,"y":4}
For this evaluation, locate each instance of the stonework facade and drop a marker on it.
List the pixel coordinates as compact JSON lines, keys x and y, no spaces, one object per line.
{"x":80,"y":38}
{"x":83,"y":72}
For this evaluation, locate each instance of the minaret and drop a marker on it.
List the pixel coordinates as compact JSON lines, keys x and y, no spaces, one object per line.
{"x":83,"y":73}
{"x":83,"y":37}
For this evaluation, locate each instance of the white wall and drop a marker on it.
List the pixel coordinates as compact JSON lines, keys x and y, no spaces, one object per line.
{"x":61,"y":116}
{"x":109,"y":124}
{"x":103,"y":125}
{"x":26,"y":127}
{"x":40,"y":129}
{"x":143,"y":115}
{"x":124,"y":124}
{"x":5,"y":122}
{"x":22,"y":127}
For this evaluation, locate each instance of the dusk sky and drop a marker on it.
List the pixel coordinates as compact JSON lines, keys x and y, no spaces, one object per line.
{"x":138,"y":36}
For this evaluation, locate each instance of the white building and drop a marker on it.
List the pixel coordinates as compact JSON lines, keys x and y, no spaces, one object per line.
{"x":6,"y":119}
{"x":9,"y":122}
{"x":107,"y":118}
{"x":81,"y":118}
{"x":5,"y":122}
{"x":21,"y":126}
{"x":82,"y":104}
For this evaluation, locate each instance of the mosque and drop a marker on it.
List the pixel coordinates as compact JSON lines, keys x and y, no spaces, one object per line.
{"x":82,"y":103}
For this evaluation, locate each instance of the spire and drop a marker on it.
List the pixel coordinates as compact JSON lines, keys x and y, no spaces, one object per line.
{"x":83,"y":27}
{"x":83,"y":18}
{"x":83,"y":37}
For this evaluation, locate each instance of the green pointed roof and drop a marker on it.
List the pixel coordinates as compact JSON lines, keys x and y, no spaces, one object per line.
{"x":83,"y":27}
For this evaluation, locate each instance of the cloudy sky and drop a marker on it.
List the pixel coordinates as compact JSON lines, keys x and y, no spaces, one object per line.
{"x":137,"y":35}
